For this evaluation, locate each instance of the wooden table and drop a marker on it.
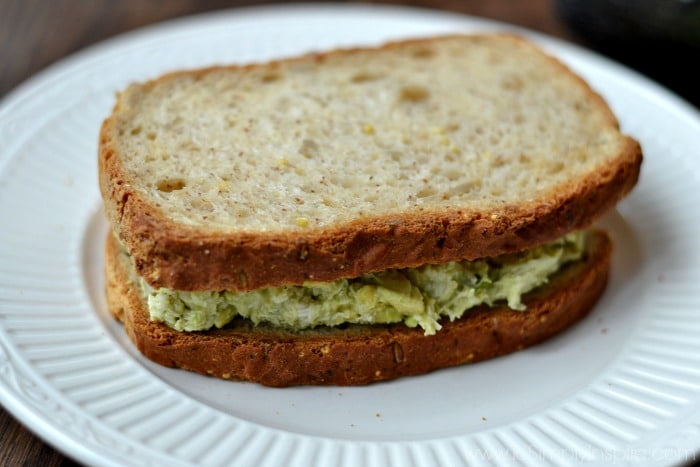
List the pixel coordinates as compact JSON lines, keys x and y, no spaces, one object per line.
{"x":35,"y":33}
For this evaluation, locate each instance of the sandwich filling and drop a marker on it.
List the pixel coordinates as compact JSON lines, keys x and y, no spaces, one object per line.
{"x":415,"y":296}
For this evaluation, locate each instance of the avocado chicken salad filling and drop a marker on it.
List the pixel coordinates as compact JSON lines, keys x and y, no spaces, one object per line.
{"x":415,"y":296}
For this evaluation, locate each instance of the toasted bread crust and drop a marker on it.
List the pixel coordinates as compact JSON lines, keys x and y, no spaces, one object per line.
{"x":173,"y":255}
{"x":359,"y":354}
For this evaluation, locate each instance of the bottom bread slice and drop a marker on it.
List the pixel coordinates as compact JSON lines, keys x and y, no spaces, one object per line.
{"x":358,"y":354}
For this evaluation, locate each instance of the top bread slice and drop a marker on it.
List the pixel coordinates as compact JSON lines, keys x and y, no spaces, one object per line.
{"x":336,"y":164}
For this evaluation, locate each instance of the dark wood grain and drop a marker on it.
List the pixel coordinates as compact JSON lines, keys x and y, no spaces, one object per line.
{"x":18,"y":446}
{"x":36,"y":33}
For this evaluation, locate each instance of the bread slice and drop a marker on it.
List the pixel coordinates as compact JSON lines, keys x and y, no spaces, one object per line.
{"x":358,"y":354}
{"x":336,"y":164}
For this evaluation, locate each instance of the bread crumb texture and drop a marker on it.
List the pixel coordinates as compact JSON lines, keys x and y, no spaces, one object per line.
{"x":457,"y":123}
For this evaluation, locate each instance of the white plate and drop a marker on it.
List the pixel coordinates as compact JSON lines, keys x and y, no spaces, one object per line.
{"x":622,"y":386}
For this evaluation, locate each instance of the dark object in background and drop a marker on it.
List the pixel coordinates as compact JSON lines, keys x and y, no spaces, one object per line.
{"x":660,"y":38}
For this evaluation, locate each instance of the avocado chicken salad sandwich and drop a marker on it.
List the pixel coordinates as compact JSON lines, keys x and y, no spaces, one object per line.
{"x":361,"y":214}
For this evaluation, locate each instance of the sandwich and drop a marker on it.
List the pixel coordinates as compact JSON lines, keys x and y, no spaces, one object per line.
{"x":359,"y":215}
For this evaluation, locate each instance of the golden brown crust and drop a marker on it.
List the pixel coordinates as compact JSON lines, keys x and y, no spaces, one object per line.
{"x":359,"y":354}
{"x":172,"y":255}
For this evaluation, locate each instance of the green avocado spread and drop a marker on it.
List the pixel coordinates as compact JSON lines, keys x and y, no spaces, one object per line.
{"x":416,"y":296}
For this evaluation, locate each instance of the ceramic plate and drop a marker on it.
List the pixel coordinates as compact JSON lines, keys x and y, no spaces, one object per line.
{"x":622,"y":386}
